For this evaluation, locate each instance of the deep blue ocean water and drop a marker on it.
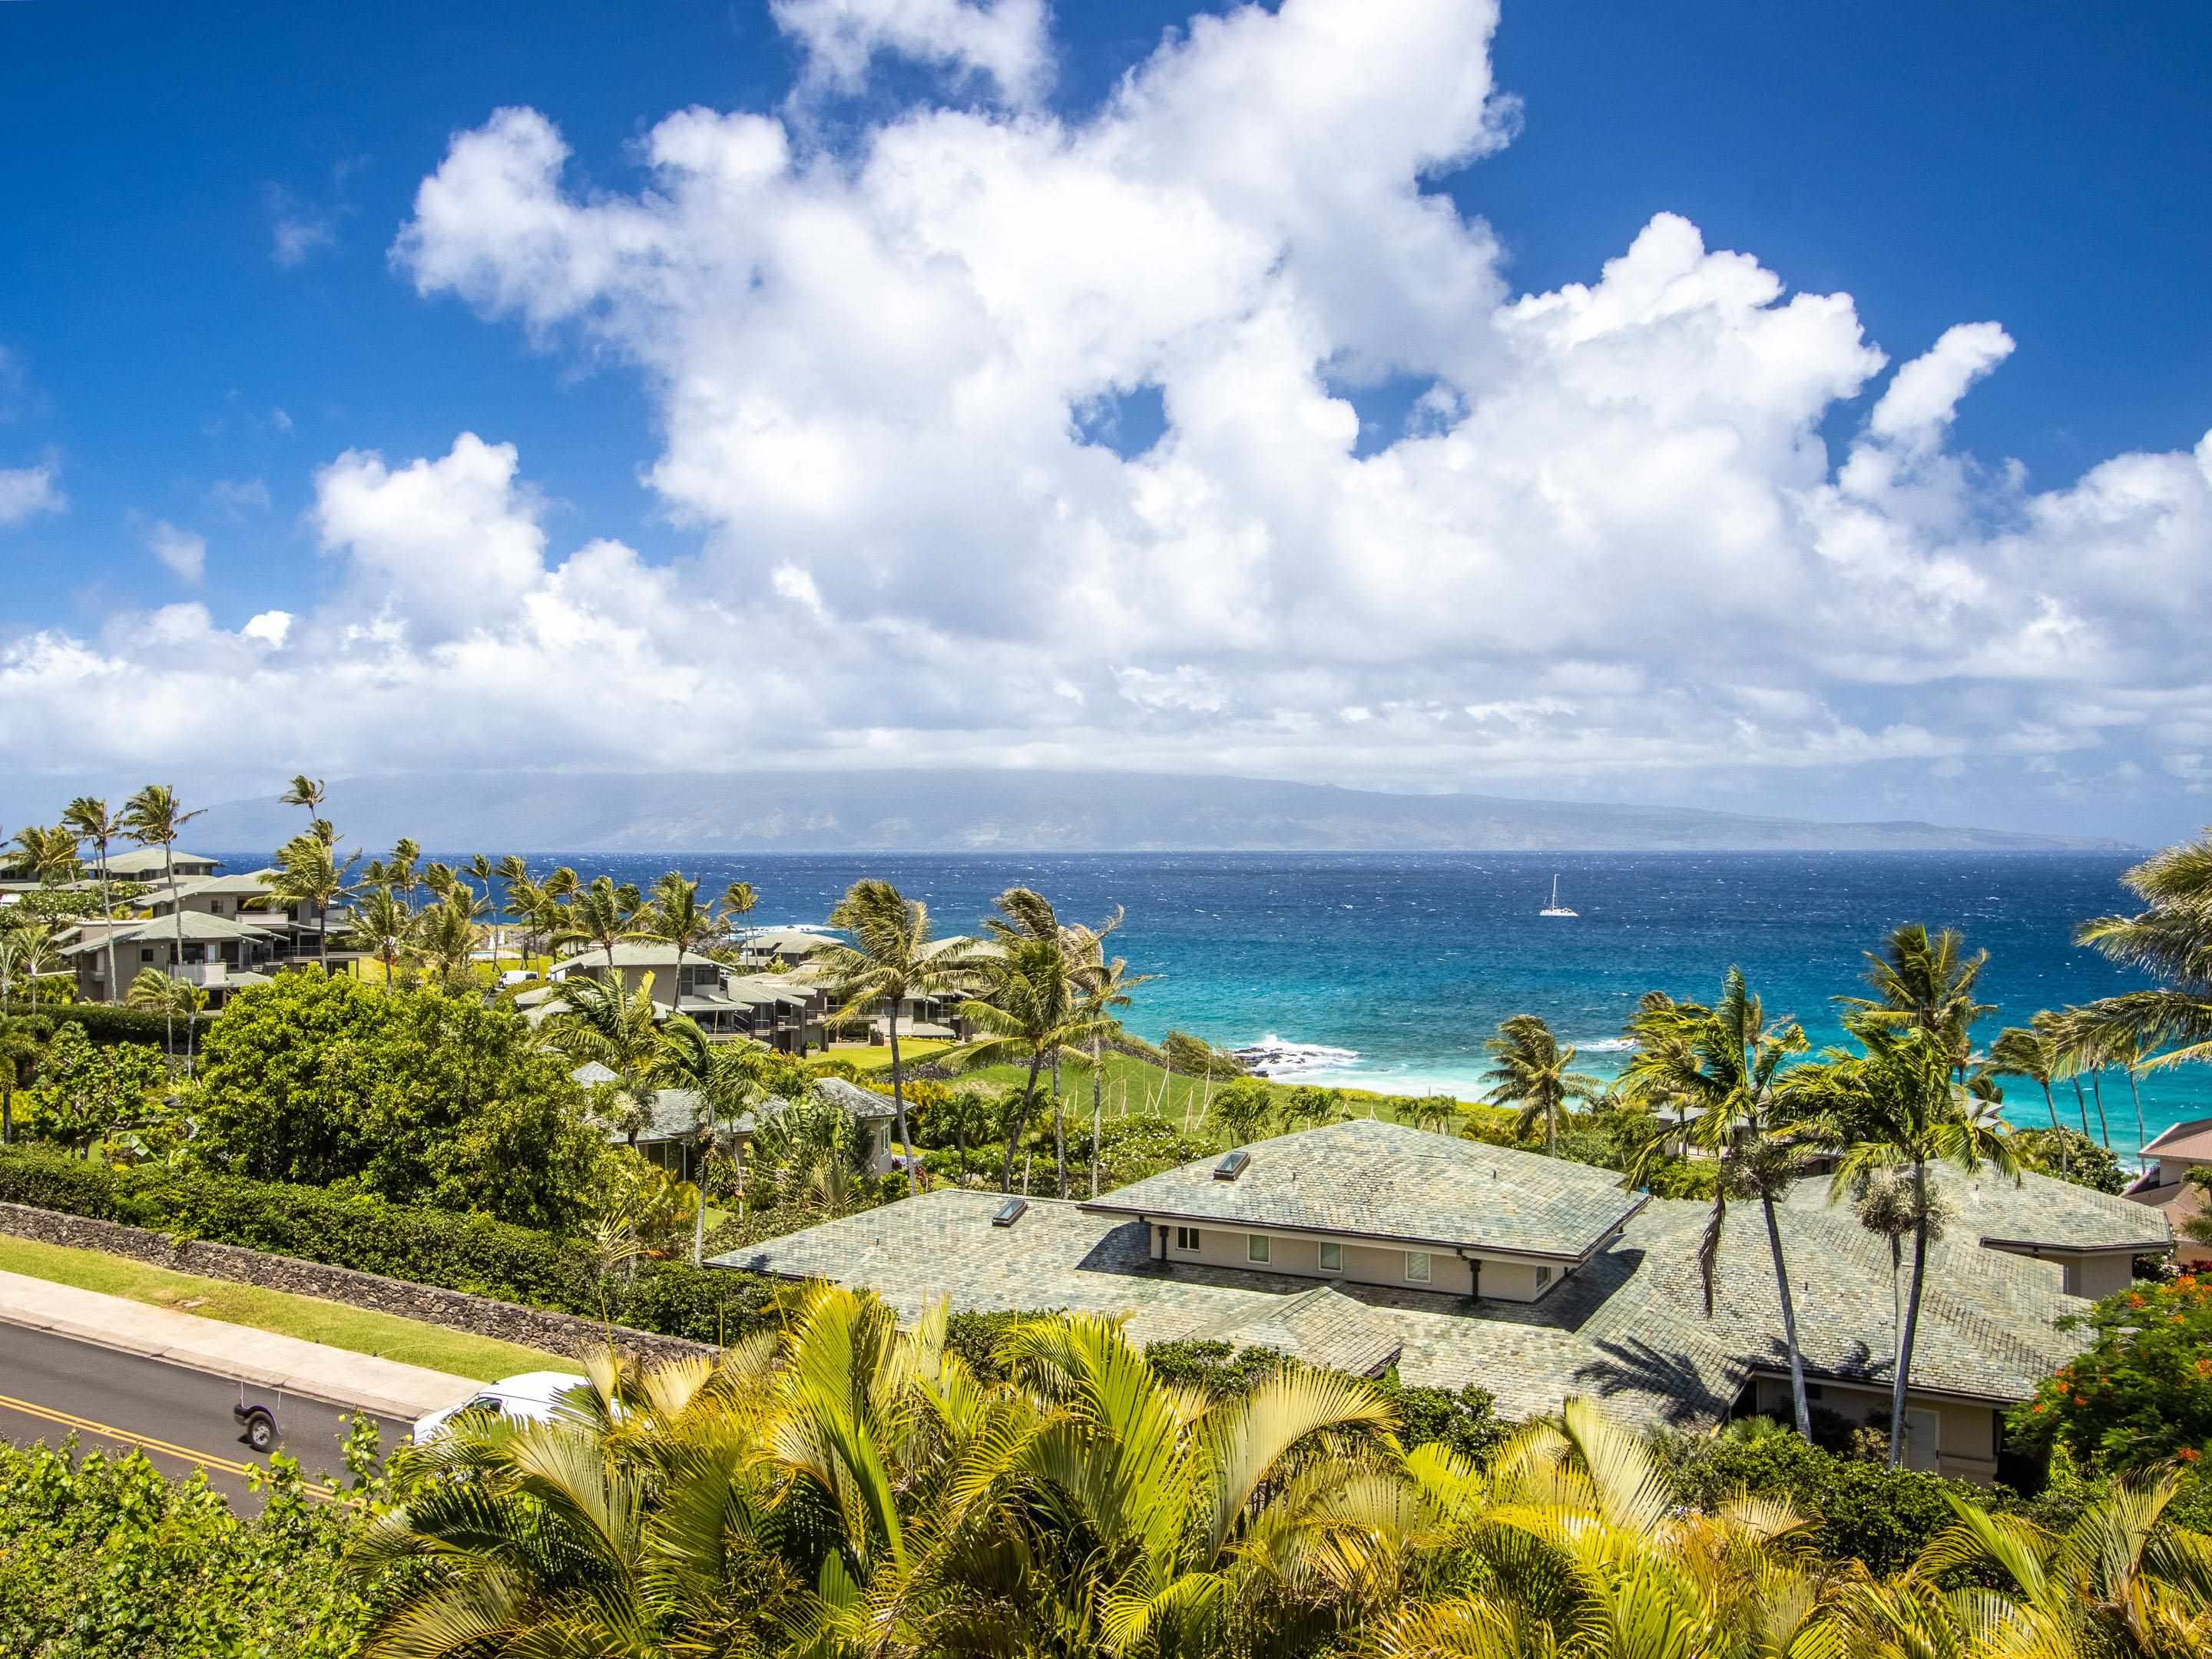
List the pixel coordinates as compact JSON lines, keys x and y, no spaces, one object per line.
{"x":1409,"y":960}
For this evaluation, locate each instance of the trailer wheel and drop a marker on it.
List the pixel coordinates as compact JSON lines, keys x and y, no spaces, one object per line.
{"x":260,"y":1428}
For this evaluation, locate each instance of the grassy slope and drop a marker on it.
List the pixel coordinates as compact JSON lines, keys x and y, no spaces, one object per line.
{"x":355,"y":1329}
{"x":867,"y":1057}
{"x":1136,"y":1086}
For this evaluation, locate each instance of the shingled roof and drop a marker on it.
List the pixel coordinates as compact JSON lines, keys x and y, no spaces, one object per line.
{"x":1373,"y":1179}
{"x":1629,"y":1327}
{"x":2036,"y":1213}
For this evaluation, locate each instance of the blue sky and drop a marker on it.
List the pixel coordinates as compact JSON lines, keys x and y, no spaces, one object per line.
{"x":203,"y":311}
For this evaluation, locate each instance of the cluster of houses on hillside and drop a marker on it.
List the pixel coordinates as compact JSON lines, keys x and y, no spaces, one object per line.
{"x":219,"y":933}
{"x":1365,"y":1246}
{"x":225,"y":933}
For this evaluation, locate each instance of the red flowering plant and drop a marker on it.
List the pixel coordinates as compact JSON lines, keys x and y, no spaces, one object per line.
{"x":2141,"y":1392}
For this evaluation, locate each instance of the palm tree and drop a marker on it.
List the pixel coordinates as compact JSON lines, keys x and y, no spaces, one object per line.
{"x":726,"y":1078}
{"x":602,"y":914}
{"x":1720,"y":1063}
{"x":2082,"y":1035}
{"x":2120,"y":1579}
{"x":675,"y":917}
{"x":47,"y":855}
{"x":1027,"y":1012}
{"x":1025,"y":915}
{"x":398,"y":872}
{"x":2032,"y":1051}
{"x":153,"y":988}
{"x":154,"y":818}
{"x":594,"y":1020}
{"x":306,"y":792}
{"x":1107,"y":986}
{"x":91,"y":823}
{"x":308,"y":873}
{"x":739,"y":899}
{"x":1533,"y":1073}
{"x":479,"y":868}
{"x":1898,"y":1108}
{"x":382,"y":925}
{"x":1926,"y":982}
{"x":892,"y":958}
{"x":520,"y":895}
{"x":444,"y":937}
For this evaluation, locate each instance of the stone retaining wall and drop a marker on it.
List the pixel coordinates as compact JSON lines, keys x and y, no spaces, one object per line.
{"x":479,"y":1316}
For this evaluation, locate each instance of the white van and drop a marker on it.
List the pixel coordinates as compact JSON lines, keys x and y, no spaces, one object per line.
{"x":533,"y":1397}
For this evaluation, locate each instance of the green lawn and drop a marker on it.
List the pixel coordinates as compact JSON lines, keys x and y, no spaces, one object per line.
{"x":385,"y":1335}
{"x":872,"y":1057}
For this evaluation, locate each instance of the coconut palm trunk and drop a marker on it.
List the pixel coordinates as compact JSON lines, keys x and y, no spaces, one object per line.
{"x":1020,"y":1124}
{"x":2081,"y":1100}
{"x":2097,"y":1088}
{"x":1911,"y":1331}
{"x":2051,"y":1106}
{"x":898,"y":1108}
{"x":2140,"y":1135}
{"x":1059,"y":1133}
{"x":1798,"y":1405}
{"x":108,"y":922}
{"x":177,"y":921}
{"x":1098,"y":1073}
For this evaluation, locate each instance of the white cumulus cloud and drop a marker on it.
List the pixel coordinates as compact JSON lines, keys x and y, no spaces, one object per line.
{"x":1612,"y":547}
{"x":27,"y":491}
{"x":183,"y":552}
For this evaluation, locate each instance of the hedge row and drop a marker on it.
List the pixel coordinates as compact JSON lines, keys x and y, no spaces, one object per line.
{"x":357,"y":1230}
{"x":104,"y":1024}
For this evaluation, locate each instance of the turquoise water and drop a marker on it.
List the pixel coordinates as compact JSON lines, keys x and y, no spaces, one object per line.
{"x":1409,"y":961}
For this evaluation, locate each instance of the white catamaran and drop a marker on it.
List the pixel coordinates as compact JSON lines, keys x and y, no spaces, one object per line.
{"x":1555,"y":908}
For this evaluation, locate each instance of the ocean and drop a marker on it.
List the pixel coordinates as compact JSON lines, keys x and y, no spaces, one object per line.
{"x":1402,"y":963}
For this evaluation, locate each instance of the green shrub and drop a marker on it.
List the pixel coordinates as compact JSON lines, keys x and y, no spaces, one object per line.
{"x":1464,"y":1420}
{"x":1882,"y":1515}
{"x":101,"y":1557}
{"x":344,"y":1227}
{"x":2142,"y":1392}
{"x":419,"y":1096}
{"x":105,"y":1026}
{"x":2069,"y":1155}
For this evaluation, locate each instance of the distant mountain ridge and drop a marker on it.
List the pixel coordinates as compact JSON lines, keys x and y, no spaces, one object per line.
{"x":978,"y":811}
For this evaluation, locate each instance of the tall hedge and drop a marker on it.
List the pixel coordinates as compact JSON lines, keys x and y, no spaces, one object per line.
{"x":105,"y":1026}
{"x":344,"y":1228}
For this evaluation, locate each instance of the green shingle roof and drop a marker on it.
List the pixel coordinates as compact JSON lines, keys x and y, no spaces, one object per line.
{"x":1372,"y":1179}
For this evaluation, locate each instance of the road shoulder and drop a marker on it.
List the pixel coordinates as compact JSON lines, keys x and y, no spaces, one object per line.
{"x":262,"y":1359}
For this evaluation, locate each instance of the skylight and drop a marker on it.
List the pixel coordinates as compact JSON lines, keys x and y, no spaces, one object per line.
{"x":1232,"y":1166}
{"x":1009,"y":1211}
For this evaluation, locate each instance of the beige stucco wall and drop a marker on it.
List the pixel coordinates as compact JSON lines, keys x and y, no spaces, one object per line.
{"x":2094,"y":1276}
{"x":1298,"y":1256}
{"x":1966,"y":1434}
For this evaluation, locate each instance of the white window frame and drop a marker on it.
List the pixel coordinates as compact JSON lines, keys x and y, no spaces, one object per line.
{"x":1327,"y":1266}
{"x":1259,"y":1249}
{"x":1543,"y":1277}
{"x":1186,"y":1240}
{"x":1422,"y":1260}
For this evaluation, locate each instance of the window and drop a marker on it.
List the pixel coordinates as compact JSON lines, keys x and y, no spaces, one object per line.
{"x":1417,"y":1266}
{"x":1187,"y":1238}
{"x":1332,"y":1258}
{"x":1257,"y":1246}
{"x":145,"y":953}
{"x":1543,"y":1277}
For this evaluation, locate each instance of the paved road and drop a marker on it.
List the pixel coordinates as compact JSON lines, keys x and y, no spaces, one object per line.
{"x":181,"y":1419}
